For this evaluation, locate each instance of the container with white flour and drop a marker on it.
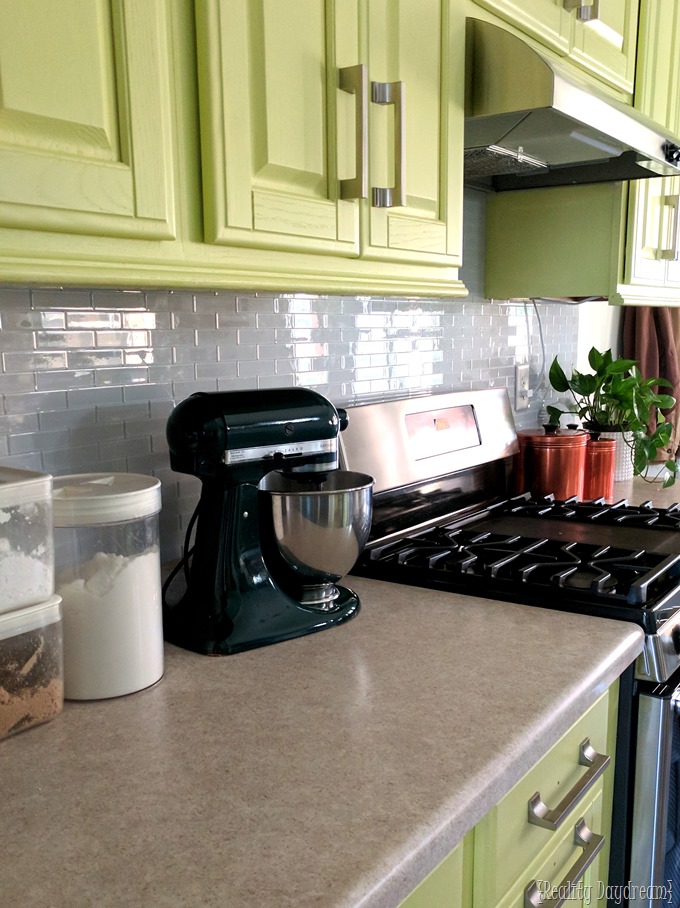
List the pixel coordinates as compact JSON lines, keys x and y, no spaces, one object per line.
{"x":107,"y":562}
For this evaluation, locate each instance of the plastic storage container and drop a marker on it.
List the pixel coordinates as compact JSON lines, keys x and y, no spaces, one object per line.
{"x":26,"y":540}
{"x":107,"y":563}
{"x":31,"y":666}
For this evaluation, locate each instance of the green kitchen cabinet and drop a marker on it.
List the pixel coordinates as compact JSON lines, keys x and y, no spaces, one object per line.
{"x":84,"y":122}
{"x":570,"y":789}
{"x":214,"y":144}
{"x":653,"y":247}
{"x":332,"y":127}
{"x":599,"y":36}
{"x":449,"y":884}
{"x":511,"y":852}
{"x":270,"y":105}
{"x":618,"y":240}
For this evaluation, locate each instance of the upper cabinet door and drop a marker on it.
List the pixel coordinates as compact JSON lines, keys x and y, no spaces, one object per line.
{"x":606,"y":44}
{"x":272,"y":117}
{"x":653,"y":241}
{"x":415,"y":124}
{"x":545,"y":20}
{"x":85,"y":129}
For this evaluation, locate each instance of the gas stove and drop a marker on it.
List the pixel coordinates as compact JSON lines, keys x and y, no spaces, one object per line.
{"x":445,"y":518}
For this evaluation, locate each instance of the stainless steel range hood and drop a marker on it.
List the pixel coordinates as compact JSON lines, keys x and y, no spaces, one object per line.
{"x":531,"y":122}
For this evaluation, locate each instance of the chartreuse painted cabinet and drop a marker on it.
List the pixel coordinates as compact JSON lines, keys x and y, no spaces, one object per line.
{"x":654,"y":205}
{"x":331,"y":126}
{"x":217,"y":143}
{"x":505,"y":857}
{"x":597,"y":35}
{"x":619,"y":240}
{"x":84,"y":118}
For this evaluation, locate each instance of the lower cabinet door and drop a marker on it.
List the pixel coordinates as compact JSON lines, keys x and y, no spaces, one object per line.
{"x":444,"y":887}
{"x":574,"y":868}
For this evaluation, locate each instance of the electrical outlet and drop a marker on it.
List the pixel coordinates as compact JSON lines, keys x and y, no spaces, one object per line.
{"x":521,"y":386}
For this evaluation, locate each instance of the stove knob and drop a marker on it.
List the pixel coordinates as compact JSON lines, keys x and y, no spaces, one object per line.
{"x":672,"y":153}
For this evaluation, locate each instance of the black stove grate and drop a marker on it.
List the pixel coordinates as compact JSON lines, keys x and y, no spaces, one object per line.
{"x":597,"y":579}
{"x":620,"y":513}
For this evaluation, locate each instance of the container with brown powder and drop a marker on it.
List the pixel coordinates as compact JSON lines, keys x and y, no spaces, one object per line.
{"x":31,"y":666}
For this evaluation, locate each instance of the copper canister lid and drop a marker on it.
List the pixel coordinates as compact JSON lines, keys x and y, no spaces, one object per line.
{"x":566,"y":438}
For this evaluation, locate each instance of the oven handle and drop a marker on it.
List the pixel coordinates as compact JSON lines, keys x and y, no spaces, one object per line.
{"x":592,"y":844}
{"x":541,"y":815}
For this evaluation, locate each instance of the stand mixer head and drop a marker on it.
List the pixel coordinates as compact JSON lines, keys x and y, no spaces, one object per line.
{"x":277,"y":524}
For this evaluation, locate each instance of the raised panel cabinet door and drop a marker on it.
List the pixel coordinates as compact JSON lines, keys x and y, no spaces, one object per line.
{"x":672,"y":241}
{"x":648,"y":223}
{"x":445,"y":887}
{"x":652,"y":238}
{"x":85,"y":118}
{"x":546,"y":21}
{"x":657,"y":88}
{"x":606,"y":45}
{"x":415,"y":57}
{"x":272,"y":114}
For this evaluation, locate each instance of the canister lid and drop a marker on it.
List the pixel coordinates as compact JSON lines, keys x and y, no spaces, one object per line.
{"x":565,"y":438}
{"x":602,"y":444}
{"x":23,"y":486}
{"x":86,"y":499}
{"x":22,"y":620}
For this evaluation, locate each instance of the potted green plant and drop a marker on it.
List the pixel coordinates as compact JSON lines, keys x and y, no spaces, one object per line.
{"x":614,"y":397}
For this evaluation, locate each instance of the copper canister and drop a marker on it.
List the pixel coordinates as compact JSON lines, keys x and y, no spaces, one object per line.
{"x":554,"y":464}
{"x":600,"y":461}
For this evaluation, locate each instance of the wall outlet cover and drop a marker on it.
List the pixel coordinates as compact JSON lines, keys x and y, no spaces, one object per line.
{"x":521,"y":386}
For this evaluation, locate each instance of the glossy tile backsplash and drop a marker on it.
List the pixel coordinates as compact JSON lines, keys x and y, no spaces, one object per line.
{"x":88,"y":377}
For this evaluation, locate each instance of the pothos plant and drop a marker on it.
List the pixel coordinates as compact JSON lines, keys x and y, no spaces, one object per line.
{"x":614,"y":397}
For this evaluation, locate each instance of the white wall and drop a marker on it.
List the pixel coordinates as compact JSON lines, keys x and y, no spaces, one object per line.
{"x":598,"y":326}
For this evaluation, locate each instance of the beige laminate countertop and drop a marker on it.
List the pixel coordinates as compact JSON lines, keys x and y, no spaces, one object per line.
{"x":638,"y":490}
{"x":332,"y":770}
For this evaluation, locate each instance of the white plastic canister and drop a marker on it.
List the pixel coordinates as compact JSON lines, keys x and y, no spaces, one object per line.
{"x":107,"y":564}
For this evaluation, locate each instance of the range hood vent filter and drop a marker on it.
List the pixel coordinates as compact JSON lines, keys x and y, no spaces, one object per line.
{"x":492,"y":160}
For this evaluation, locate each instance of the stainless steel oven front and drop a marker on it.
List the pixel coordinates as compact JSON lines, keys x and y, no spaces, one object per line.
{"x":655,"y":829}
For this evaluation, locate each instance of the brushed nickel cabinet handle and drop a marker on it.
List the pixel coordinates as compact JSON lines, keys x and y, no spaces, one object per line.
{"x":673,"y":253}
{"x":392,"y":93}
{"x":354,"y":80}
{"x":541,"y":815}
{"x":535,"y":896}
{"x":585,"y":12}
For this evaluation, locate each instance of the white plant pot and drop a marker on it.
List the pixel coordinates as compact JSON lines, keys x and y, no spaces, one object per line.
{"x":623,"y":464}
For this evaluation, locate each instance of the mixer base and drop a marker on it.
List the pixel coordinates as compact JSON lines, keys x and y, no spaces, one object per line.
{"x":287,"y":619}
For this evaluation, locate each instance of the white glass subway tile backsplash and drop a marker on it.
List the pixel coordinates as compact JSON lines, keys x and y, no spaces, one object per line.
{"x":88,"y":377}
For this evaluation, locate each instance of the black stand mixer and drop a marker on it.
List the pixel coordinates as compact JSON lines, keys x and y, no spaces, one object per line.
{"x":277,"y":523}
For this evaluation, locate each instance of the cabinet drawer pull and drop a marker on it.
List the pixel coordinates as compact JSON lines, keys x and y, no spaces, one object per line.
{"x":672,"y":254}
{"x":392,"y":93}
{"x":585,"y":12}
{"x":354,"y":80}
{"x":535,"y":896}
{"x":541,"y":815}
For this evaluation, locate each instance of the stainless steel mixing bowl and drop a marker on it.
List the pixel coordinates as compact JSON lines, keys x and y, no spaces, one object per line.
{"x":320,"y":523}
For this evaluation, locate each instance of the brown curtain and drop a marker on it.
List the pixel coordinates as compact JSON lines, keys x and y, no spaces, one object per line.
{"x":651,"y":335}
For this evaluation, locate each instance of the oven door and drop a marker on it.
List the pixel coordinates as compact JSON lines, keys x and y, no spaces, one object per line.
{"x":655,"y":832}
